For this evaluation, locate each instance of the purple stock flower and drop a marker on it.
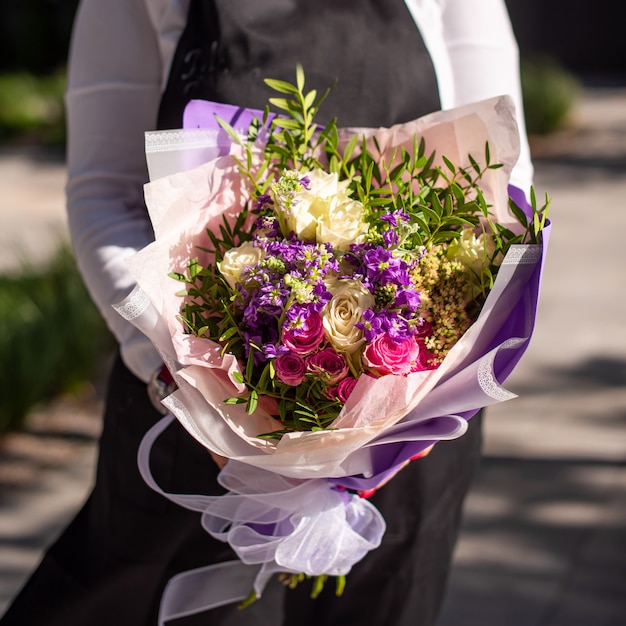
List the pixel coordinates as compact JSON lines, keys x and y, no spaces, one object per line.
{"x":389,"y":322}
{"x":397,"y":327}
{"x":370,"y":325}
{"x":395,"y":217}
{"x":272,"y":351}
{"x":265,"y":226}
{"x":296,"y":316}
{"x":322,"y":294}
{"x":390,"y":238}
{"x":272,"y":298}
{"x":262,"y":201}
{"x":383,"y":267}
{"x":408,"y":298}
{"x":377,"y":261}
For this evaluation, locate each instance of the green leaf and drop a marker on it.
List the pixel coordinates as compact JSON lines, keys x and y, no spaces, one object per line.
{"x":235,"y":400}
{"x":422,"y":225}
{"x":253,"y":402}
{"x":350,"y":148}
{"x":291,"y":124}
{"x":233,"y":330}
{"x":250,"y":364}
{"x":230,"y":131}
{"x":474,"y":163}
{"x":431,"y":214}
{"x":537,"y":224}
{"x":264,"y":378}
{"x":519,"y":214}
{"x":281,"y":103}
{"x":180,"y":277}
{"x":299,"y":77}
{"x":282,"y":410}
{"x":309,"y":99}
{"x":455,"y":220}
{"x":281,"y":86}
{"x":449,"y":164}
{"x":445,"y":235}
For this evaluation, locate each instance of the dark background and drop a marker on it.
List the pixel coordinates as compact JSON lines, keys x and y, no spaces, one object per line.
{"x":34,"y":34}
{"x":586,"y":37}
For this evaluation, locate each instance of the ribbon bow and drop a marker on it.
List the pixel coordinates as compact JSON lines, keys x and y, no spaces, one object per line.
{"x":274,"y":524}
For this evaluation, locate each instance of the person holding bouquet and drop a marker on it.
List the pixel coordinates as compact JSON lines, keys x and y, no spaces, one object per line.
{"x":134,"y":66}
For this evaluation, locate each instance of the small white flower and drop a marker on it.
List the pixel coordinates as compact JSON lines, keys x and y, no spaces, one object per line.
{"x":473,"y":252}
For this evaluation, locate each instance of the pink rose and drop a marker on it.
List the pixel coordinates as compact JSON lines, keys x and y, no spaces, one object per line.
{"x":330,"y":364}
{"x":290,"y":368}
{"x":307,"y":337}
{"x":343,"y":390}
{"x":385,"y":356}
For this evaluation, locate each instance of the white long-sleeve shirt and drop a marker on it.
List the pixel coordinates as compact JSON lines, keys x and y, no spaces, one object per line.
{"x":119,"y":64}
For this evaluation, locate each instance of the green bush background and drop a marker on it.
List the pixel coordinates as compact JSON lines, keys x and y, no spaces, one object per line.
{"x":52,"y":338}
{"x":32,"y":109}
{"x":549,"y":93}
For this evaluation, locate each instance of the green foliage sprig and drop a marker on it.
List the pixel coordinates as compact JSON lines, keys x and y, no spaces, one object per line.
{"x":440,"y":200}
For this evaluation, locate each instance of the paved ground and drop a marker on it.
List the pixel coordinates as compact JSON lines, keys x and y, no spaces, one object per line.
{"x":544,"y":539}
{"x":32,"y":206}
{"x":544,"y":542}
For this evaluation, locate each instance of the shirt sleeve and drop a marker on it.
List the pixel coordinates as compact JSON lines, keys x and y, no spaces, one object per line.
{"x":114,"y":85}
{"x":484,"y":60}
{"x":476,"y":56}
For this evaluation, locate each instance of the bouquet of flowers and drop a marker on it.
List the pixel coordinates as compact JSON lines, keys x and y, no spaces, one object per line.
{"x":349,"y":298}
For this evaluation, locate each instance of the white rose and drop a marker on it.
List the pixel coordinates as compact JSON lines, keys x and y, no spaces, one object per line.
{"x":339,"y":316}
{"x":342,"y":225}
{"x":325,"y":212}
{"x":473,"y":252}
{"x":237,"y":259}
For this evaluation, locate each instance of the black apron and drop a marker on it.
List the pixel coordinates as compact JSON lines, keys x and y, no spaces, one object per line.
{"x":370,"y":47}
{"x":112,"y":563}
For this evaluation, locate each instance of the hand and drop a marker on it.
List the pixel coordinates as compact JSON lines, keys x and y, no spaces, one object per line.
{"x":368,"y":493}
{"x":160,"y":385}
{"x":220,"y":461}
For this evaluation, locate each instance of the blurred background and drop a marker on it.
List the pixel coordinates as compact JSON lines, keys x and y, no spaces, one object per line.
{"x":544,"y":538}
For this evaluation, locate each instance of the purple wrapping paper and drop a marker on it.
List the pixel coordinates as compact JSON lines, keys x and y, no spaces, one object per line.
{"x":204,"y":114}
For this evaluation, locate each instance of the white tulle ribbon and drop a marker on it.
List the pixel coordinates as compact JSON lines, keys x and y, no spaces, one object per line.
{"x":273,"y":524}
